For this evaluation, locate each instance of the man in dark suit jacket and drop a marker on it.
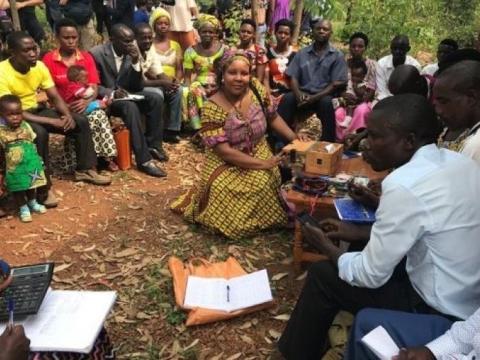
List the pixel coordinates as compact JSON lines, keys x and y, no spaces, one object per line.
{"x":120,"y":73}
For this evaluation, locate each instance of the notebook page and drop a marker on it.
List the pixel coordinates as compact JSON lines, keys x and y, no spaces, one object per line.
{"x":207,"y":293}
{"x":249,"y":290}
{"x":379,"y":341}
{"x":68,"y":320}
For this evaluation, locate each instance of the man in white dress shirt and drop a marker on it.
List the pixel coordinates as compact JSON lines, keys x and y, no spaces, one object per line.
{"x":399,"y":47}
{"x":427,"y":213}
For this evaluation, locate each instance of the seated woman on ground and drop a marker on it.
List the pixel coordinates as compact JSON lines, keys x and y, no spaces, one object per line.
{"x":58,"y":62}
{"x":198,"y":65}
{"x":247,"y":44}
{"x":355,"y":102}
{"x":238,"y":194}
{"x":279,"y":57}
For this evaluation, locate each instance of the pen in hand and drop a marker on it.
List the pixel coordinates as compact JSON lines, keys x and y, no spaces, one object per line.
{"x":11,"y":308}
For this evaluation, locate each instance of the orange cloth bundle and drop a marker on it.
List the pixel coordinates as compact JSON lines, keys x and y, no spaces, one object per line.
{"x":203,"y":268}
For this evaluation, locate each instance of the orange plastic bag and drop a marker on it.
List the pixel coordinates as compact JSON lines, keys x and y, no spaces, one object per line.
{"x":227,"y":269}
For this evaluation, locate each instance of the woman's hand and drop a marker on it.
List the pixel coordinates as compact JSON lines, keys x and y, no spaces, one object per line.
{"x":14,"y":344}
{"x":272,"y":162}
{"x":303,"y":137}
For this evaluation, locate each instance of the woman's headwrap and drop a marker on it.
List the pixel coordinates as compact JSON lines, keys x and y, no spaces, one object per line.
{"x":206,"y":19}
{"x":157,"y":14}
{"x":230,"y":55}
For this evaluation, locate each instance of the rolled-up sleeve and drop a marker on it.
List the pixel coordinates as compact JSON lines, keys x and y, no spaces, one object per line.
{"x":395,"y":231}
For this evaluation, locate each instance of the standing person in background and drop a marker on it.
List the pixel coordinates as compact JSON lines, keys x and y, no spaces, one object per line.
{"x":28,"y":18}
{"x":121,"y":12}
{"x":182,"y":15}
{"x":260,"y":11}
{"x":399,"y":47}
{"x":81,"y":12}
{"x":101,"y":16}
{"x":141,"y":15}
{"x":279,"y":9}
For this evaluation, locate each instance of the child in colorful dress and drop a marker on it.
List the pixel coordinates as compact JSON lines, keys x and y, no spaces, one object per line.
{"x":24,"y":168}
{"x":79,"y":88}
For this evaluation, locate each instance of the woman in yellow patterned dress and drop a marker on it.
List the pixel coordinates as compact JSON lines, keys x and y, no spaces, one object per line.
{"x":238,"y":194}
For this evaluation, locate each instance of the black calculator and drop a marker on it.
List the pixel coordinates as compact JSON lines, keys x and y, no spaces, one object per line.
{"x":28,"y":288}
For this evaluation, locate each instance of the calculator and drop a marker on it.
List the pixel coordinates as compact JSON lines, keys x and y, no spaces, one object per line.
{"x":28,"y":288}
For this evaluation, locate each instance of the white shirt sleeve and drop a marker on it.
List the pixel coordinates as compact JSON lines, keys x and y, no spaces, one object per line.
{"x":471,"y":147}
{"x":462,"y":338}
{"x":382,"y":83}
{"x":400,"y":222}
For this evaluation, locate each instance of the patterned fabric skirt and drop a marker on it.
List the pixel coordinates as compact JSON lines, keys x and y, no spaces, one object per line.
{"x":192,"y":103}
{"x":102,"y":349}
{"x":24,"y":167}
{"x":102,"y":136}
{"x":233,"y":201}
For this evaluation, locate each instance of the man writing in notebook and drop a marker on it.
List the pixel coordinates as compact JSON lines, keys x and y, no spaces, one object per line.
{"x":416,"y":219}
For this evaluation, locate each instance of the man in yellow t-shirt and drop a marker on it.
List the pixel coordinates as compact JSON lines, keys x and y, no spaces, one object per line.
{"x":24,"y":76}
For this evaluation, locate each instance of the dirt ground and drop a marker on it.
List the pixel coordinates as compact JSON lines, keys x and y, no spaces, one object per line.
{"x":121,"y":236}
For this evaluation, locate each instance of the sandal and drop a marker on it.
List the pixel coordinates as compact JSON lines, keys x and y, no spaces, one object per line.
{"x":24,"y":214}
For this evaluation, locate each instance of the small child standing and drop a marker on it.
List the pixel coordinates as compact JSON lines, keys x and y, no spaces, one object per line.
{"x":351,"y":115}
{"x":79,"y":88}
{"x":24,"y":167}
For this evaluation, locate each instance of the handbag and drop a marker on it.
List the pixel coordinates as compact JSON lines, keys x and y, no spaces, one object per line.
{"x":203,"y":268}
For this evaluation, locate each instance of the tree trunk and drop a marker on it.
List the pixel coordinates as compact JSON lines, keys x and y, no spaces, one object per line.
{"x":14,"y":13}
{"x":349,"y":12}
{"x":297,"y":19}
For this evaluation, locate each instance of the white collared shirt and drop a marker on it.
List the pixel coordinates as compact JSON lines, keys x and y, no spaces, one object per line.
{"x":430,"y":212}
{"x":119,"y":60}
{"x":384,"y":71}
{"x":462,"y":341}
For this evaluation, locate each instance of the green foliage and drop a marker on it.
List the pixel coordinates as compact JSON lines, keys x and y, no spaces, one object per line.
{"x":426,"y":22}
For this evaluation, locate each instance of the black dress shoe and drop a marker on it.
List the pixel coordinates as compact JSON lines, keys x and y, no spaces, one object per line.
{"x":150,"y":169}
{"x":171,"y":138}
{"x":158,"y":154}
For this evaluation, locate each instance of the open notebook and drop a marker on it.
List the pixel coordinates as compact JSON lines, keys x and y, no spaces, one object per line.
{"x":380,"y":343}
{"x":68,"y":320}
{"x":228,"y":295}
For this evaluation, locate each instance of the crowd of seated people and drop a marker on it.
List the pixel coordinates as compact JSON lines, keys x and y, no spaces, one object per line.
{"x":233,"y":97}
